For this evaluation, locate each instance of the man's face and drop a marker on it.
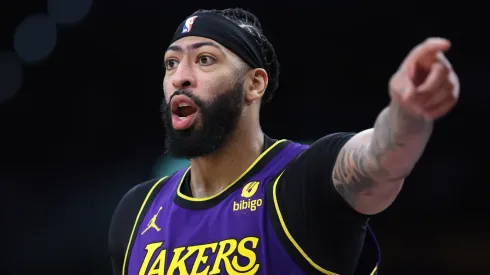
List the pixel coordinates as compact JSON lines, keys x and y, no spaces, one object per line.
{"x":203,"y":96}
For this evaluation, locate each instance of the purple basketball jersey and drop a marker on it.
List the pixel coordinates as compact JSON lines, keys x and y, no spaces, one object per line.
{"x":229,"y":233}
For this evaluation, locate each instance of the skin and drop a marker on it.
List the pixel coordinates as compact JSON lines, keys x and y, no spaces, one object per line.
{"x":204,"y":67}
{"x":371,"y":167}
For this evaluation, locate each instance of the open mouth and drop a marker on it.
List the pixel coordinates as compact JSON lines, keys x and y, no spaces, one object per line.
{"x":183,"y":107}
{"x":183,"y":112}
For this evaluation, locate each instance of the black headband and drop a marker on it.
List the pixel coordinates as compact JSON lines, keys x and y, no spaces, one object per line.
{"x":225,"y":32}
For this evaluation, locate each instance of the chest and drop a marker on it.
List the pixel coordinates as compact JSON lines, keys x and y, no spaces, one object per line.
{"x":238,"y":215}
{"x":226,"y":238}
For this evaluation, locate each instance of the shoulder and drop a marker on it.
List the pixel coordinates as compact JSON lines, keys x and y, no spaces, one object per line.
{"x":134,"y":198}
{"x":304,"y":204}
{"x":329,"y":145}
{"x":309,"y":176}
{"x":127,"y":210}
{"x":319,"y":158}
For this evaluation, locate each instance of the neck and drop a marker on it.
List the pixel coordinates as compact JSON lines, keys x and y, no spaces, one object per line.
{"x":212,"y":173}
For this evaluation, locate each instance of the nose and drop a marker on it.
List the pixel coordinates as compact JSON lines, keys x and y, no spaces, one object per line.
{"x":183,"y":77}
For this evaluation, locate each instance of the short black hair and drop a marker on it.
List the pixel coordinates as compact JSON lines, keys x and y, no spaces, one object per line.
{"x":251,"y":24}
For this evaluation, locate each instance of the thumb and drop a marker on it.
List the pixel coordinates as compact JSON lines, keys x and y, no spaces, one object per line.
{"x":405,"y":95}
{"x":410,"y":99}
{"x":409,"y":91}
{"x":402,"y":88}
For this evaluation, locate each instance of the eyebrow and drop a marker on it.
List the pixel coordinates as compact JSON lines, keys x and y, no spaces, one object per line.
{"x":194,"y":46}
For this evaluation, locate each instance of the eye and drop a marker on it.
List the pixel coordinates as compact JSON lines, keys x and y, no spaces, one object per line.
{"x":170,"y":64}
{"x":206,"y":60}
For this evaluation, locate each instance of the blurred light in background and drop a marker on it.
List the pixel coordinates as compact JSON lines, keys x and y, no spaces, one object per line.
{"x":166,"y":166}
{"x":35,"y":38}
{"x":11,"y":75}
{"x":68,"y":11}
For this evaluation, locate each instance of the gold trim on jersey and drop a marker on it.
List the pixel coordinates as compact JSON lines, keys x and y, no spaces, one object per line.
{"x":136,"y":223}
{"x":230,"y":185}
{"x":293,"y":241}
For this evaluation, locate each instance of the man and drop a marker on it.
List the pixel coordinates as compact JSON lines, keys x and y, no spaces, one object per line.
{"x":249,"y":204}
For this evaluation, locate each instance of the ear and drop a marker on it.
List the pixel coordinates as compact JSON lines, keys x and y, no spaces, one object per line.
{"x":255,"y":84}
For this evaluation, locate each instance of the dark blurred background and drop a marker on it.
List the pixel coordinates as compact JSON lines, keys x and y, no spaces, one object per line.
{"x":80,"y":91}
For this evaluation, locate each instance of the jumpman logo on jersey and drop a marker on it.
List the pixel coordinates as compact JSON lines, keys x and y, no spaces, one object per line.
{"x":152,"y":223}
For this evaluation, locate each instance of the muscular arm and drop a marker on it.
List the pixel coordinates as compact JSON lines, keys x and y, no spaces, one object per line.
{"x":326,"y":228}
{"x":371,"y":167}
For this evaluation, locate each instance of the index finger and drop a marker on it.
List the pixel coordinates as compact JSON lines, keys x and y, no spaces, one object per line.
{"x":425,"y":54}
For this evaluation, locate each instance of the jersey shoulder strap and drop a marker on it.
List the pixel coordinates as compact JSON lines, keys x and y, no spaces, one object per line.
{"x":279,"y":163}
{"x":138,"y":200}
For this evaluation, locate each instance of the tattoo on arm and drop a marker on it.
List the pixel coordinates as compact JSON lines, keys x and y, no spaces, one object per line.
{"x":350,"y":174}
{"x":395,"y":129}
{"x":387,"y":155}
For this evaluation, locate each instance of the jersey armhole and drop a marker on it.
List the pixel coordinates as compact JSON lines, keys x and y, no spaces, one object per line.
{"x":139,"y":218}
{"x":292,"y":247}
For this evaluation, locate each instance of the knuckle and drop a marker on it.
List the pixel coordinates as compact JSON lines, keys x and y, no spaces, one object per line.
{"x":450,"y":87}
{"x":417,"y":50}
{"x":392,"y":85}
{"x":395,"y":80}
{"x":428,"y":40}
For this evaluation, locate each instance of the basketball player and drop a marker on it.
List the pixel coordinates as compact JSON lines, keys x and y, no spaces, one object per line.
{"x":251,"y":204}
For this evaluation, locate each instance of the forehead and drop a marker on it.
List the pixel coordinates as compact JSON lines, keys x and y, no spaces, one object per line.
{"x":191,"y":43}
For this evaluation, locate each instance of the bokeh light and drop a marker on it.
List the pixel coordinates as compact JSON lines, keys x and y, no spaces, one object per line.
{"x":35,"y":38}
{"x":11,"y":75}
{"x":68,"y":11}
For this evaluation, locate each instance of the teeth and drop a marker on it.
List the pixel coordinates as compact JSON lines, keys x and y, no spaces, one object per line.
{"x":181,"y":117}
{"x":184,"y":105}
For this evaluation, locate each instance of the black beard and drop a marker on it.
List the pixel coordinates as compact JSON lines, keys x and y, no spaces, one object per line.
{"x":218,"y":118}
